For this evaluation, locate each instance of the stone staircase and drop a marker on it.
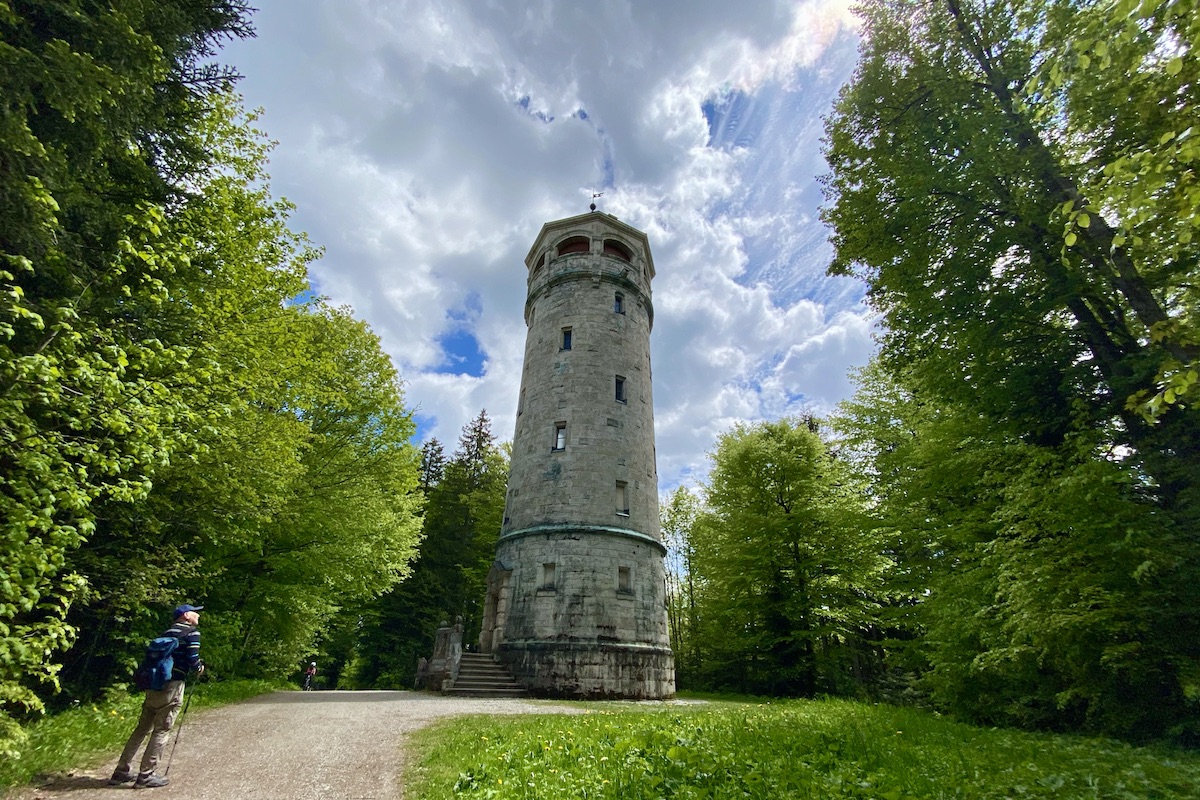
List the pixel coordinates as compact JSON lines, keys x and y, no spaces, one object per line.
{"x":480,"y":676}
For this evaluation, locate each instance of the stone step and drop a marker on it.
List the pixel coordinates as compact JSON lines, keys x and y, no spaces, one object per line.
{"x":460,"y":692}
{"x":485,"y":680}
{"x":480,"y":676}
{"x":485,"y":676}
{"x":486,"y":686}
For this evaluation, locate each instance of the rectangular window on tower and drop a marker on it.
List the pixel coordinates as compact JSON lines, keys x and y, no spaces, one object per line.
{"x":624,"y":580}
{"x":619,"y":303}
{"x":623,"y":498}
{"x":566,"y":339}
{"x":560,"y":436}
{"x":620,"y":389}
{"x":547,"y":584}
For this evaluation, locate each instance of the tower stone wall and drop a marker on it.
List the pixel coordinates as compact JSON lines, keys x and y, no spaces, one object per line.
{"x":576,"y":601}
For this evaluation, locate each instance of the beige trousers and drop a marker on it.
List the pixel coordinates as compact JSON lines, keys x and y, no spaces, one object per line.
{"x":159,"y":710}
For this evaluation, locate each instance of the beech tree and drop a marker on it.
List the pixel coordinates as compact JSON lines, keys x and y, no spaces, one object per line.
{"x":787,"y":579}
{"x":678,"y":515}
{"x":350,"y":520}
{"x":1013,"y":181}
{"x":980,"y":184}
{"x":1033,"y":586}
{"x":299,"y":494}
{"x":96,"y":146}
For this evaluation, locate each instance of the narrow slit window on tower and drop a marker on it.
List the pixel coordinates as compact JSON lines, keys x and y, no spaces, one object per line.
{"x":618,"y":303}
{"x":547,"y":578}
{"x":624,"y":580}
{"x":622,"y":498}
{"x":521,"y":404}
{"x":560,"y":436}
{"x":619,"y":387}
{"x":566,"y":339}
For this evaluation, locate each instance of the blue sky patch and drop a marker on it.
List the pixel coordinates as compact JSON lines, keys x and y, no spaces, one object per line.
{"x":463,"y":355}
{"x":538,"y":114}
{"x":426,"y":425}
{"x":302,"y":299}
{"x":733,"y":119}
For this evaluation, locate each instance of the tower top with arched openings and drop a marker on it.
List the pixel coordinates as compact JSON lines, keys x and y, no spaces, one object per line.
{"x":619,"y":254}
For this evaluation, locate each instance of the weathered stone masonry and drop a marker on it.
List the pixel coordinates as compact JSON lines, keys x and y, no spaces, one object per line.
{"x":576,"y":600}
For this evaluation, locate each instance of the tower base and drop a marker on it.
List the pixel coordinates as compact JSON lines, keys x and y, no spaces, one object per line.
{"x":591,"y":670}
{"x":581,"y":612}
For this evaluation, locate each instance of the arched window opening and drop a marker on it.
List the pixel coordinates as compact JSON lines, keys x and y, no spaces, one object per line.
{"x":617,"y":250}
{"x":576,"y":244}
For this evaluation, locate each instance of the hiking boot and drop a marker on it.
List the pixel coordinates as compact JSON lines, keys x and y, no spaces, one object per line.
{"x":151,"y":781}
{"x":119,"y":777}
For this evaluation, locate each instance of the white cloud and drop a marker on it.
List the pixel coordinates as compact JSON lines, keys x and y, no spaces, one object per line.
{"x":425,"y":143}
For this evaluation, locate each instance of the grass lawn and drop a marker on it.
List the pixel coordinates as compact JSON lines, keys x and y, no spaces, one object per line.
{"x":86,"y":735}
{"x":786,"y":749}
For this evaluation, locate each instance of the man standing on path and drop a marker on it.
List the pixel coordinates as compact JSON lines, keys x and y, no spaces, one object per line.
{"x":161,"y":706}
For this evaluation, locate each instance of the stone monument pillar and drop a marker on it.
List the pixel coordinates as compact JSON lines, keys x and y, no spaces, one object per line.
{"x":576,"y":602}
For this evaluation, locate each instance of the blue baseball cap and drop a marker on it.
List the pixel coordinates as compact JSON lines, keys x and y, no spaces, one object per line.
{"x":185,"y":608}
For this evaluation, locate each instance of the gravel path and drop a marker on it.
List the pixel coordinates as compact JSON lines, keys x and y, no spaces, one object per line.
{"x":293,"y":746}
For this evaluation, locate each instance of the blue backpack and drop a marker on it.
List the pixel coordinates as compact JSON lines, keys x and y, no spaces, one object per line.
{"x":155,"y":669}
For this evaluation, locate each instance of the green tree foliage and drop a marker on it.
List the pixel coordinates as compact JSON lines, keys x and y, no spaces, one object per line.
{"x":963,"y":164}
{"x":300,"y":496}
{"x":1028,"y":241}
{"x":96,"y":146}
{"x":349,"y":523}
{"x":463,"y":514}
{"x":1141,"y":155}
{"x":787,"y":581}
{"x":1043,"y":589}
{"x":678,"y":517}
{"x":181,"y":419}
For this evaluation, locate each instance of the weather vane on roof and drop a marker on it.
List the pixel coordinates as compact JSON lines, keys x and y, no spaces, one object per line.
{"x":594,"y":196}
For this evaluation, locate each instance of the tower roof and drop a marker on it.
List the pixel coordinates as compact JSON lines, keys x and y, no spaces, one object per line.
{"x":584,"y":220}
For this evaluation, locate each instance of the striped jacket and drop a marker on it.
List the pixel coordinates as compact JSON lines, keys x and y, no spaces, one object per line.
{"x":187,"y":655}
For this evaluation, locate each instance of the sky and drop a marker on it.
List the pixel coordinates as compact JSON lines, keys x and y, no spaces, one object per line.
{"x":426,"y":143}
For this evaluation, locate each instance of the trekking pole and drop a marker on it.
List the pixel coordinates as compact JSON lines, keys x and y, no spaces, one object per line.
{"x":178,"y":731}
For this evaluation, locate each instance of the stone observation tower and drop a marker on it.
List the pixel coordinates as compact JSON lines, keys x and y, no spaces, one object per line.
{"x":576,"y":599}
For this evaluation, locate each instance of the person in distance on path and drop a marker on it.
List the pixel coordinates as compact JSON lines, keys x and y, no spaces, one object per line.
{"x":161,"y":706}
